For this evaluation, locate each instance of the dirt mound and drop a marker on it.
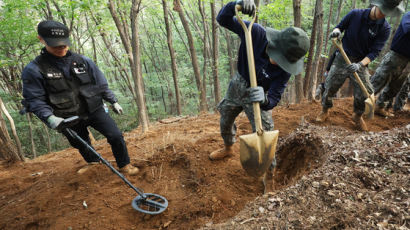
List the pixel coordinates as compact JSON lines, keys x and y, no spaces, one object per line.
{"x":363,"y":184}
{"x":47,"y":192}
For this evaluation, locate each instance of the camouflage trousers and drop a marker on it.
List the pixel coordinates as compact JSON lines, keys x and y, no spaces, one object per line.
{"x":337,"y":76}
{"x":237,"y":100}
{"x":389,"y":77}
{"x":402,"y":97}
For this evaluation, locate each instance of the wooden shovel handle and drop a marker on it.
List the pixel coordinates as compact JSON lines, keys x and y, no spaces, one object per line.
{"x":340,"y":47}
{"x":251,"y":65}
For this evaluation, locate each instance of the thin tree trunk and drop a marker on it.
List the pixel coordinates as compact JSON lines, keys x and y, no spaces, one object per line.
{"x":48,"y":137}
{"x":306,"y":82}
{"x":297,"y":18}
{"x":173,"y":57}
{"x":133,"y":55}
{"x":202,"y":104}
{"x":316,"y":66}
{"x":206,"y":52}
{"x":18,"y":155}
{"x":30,"y":132}
{"x":215,"y":56}
{"x":138,"y":82}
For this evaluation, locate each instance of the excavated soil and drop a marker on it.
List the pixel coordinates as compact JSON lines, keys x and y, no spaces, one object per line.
{"x":48,"y":193}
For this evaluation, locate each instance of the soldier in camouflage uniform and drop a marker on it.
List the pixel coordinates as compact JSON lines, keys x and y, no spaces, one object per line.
{"x":402,"y":101}
{"x":277,"y":54}
{"x":366,"y":32}
{"x":390,"y":73}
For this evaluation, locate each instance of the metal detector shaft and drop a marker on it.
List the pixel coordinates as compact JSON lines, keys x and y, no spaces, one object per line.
{"x":75,"y":135}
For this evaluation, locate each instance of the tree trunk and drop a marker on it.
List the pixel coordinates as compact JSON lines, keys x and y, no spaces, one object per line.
{"x":138,"y":82}
{"x":215,"y":54}
{"x":8,"y":150}
{"x":30,"y":131}
{"x":203,"y":107}
{"x":48,"y":137}
{"x":206,"y":51}
{"x":322,"y":69}
{"x":173,"y":56}
{"x":133,"y":54}
{"x":297,"y":18}
{"x":307,"y":80}
{"x":339,"y":9}
{"x":316,"y":65}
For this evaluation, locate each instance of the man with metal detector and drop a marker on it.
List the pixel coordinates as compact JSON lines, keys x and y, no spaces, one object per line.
{"x":366,"y":32}
{"x":277,"y":55}
{"x":389,"y":75}
{"x":59,"y":84}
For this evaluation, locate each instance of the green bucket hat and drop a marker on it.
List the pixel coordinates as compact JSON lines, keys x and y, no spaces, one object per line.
{"x":389,"y":7}
{"x":287,"y":48}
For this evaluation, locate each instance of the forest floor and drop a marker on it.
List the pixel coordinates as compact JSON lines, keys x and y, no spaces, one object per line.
{"x":329,"y":176}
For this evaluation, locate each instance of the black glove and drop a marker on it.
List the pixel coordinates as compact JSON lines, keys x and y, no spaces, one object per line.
{"x":335,"y":33}
{"x":248,"y":6}
{"x":354,"y":67}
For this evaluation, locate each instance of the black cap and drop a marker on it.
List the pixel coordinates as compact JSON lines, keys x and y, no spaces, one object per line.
{"x":54,"y":33}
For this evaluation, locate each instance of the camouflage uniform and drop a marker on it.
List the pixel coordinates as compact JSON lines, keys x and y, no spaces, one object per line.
{"x":237,"y":100}
{"x":389,"y":75}
{"x":402,"y":96}
{"x":337,"y":76}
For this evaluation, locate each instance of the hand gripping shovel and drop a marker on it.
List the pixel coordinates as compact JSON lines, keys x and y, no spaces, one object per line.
{"x":257,"y":150}
{"x":147,"y":203}
{"x":370,"y":101}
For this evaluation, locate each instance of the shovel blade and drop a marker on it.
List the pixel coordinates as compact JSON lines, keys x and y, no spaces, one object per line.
{"x":257,"y":151}
{"x":369,"y":107}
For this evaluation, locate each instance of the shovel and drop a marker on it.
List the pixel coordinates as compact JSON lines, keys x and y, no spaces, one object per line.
{"x":257,"y":150}
{"x":148,"y":203}
{"x":370,"y":100}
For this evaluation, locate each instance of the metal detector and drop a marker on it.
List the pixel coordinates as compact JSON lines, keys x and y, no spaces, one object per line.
{"x":148,"y":203}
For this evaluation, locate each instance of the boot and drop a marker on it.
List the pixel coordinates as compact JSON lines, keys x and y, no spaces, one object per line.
{"x":129,"y":169}
{"x":406,"y":107}
{"x":87,"y":167}
{"x":323,"y":116}
{"x":359,"y":122}
{"x":382,"y":112}
{"x":221,"y":153}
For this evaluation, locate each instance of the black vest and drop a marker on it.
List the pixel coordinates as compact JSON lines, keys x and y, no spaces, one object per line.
{"x":67,"y":96}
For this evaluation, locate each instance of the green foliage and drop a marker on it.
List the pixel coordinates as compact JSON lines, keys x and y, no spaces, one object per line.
{"x":278,"y":14}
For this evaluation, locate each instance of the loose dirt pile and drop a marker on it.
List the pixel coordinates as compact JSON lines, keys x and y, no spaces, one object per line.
{"x":47,"y":193}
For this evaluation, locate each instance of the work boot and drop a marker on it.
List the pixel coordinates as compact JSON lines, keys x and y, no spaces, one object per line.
{"x":323,"y":116}
{"x":221,"y":153}
{"x":406,"y":107}
{"x":359,"y":122}
{"x":87,"y":167}
{"x":129,"y":169}
{"x":382,"y":112}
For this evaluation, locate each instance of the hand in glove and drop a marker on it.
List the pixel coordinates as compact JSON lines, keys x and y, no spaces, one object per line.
{"x":335,"y":33}
{"x":117,"y":108}
{"x":256,"y":94}
{"x":354,"y":67}
{"x":248,"y":6}
{"x":54,"y":121}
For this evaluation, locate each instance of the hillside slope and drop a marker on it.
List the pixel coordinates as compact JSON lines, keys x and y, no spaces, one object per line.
{"x":321,"y":168}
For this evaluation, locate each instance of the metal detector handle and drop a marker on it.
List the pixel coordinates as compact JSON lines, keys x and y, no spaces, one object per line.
{"x":356,"y":76}
{"x":75,"y":135}
{"x":251,"y":65}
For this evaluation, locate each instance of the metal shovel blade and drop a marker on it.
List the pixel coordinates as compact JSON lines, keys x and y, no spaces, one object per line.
{"x":150,"y":203}
{"x":257,"y":151}
{"x":369,"y":107}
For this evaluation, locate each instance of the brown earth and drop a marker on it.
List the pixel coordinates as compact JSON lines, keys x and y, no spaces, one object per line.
{"x":47,"y":193}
